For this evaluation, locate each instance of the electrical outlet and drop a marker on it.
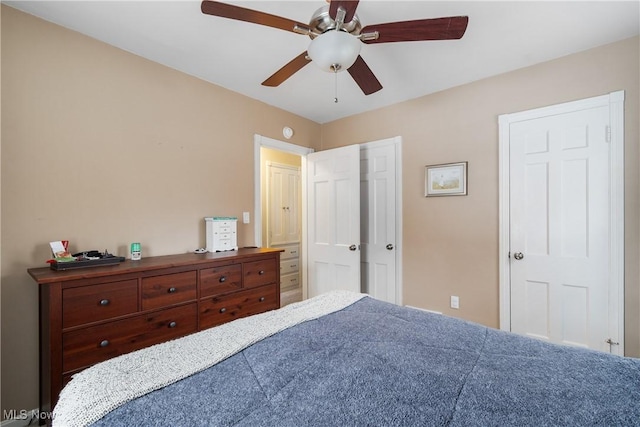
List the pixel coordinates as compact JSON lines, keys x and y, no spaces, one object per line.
{"x":245,"y":218}
{"x":455,"y":302}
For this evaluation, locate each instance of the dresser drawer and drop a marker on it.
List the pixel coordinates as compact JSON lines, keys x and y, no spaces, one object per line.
{"x":289,"y":281}
{"x":290,"y":251}
{"x":84,"y":347}
{"x":219,"y":280}
{"x":259,"y":273}
{"x":224,"y":243}
{"x":225,"y":226}
{"x":217,"y":310}
{"x":289,"y":266}
{"x":168,"y":289}
{"x":88,"y":304}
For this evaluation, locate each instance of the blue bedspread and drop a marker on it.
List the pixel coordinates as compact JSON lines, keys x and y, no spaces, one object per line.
{"x":375,"y":363}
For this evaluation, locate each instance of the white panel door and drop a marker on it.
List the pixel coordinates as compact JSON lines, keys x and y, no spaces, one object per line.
{"x":378,"y":221}
{"x":283,"y":204}
{"x":560,"y":234}
{"x":293,"y":217}
{"x":275,"y":204}
{"x":333,"y":225}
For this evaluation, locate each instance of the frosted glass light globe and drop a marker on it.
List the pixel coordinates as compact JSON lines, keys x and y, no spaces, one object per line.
{"x":334,"y":49}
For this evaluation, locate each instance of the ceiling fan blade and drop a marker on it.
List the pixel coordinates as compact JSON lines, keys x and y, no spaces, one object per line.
{"x":287,"y":71}
{"x":364,"y":77}
{"x":238,"y":13}
{"x":450,"y":28}
{"x":349,"y":7}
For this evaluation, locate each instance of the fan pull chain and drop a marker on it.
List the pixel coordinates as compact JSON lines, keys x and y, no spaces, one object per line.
{"x":335,"y":73}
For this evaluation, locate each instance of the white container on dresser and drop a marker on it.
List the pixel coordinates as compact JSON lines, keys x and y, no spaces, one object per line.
{"x":221,"y":233}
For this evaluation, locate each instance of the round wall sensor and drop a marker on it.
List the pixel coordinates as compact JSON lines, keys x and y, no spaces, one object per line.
{"x":287,"y":132}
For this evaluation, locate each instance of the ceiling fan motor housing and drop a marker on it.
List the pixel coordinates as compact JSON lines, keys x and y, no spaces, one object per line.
{"x":322,"y":22}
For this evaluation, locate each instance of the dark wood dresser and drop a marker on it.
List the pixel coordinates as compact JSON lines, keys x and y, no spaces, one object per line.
{"x":92,"y":314}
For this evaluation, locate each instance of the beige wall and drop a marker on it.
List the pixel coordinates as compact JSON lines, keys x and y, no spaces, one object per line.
{"x":451,"y":243}
{"x":104,"y":148}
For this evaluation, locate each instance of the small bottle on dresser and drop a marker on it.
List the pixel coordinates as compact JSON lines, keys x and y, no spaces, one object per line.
{"x":136,"y":252}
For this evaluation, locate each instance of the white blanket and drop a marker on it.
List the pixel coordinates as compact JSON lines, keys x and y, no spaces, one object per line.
{"x":97,"y":390}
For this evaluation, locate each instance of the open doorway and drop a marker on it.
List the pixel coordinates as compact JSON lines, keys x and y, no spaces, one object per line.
{"x":383,"y":254}
{"x":278,"y":208}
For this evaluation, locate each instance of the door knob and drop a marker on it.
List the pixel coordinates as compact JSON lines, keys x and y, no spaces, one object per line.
{"x":389,"y":247}
{"x":518,"y":255}
{"x":353,"y":247}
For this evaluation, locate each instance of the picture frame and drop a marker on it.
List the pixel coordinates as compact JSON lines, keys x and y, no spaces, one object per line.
{"x":447,"y":179}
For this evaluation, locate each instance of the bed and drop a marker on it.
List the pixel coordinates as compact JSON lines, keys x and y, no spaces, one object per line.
{"x":346,"y":359}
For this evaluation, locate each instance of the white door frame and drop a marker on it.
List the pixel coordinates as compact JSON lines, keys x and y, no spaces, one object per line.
{"x":397,"y":144}
{"x":615,"y":101}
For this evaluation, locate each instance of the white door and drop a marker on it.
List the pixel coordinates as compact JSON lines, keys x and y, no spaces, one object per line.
{"x":378,"y":221}
{"x":333,"y":227}
{"x":560,"y":233}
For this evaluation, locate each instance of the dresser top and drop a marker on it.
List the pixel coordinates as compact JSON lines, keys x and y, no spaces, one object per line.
{"x":44,"y":275}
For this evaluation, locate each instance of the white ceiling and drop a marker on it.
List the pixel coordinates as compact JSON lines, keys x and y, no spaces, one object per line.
{"x":501,"y":36}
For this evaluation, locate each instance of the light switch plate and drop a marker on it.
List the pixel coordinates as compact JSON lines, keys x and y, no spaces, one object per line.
{"x":455,"y":302}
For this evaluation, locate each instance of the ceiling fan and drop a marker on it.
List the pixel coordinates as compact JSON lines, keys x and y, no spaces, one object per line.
{"x":336,"y":36}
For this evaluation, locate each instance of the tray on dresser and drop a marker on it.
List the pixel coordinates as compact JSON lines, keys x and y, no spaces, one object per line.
{"x":70,"y":265}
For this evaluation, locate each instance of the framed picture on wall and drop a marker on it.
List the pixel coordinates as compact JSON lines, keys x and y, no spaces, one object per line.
{"x":448,"y":179}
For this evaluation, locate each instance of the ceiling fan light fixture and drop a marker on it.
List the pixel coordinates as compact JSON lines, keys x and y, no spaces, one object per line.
{"x":334,"y":50}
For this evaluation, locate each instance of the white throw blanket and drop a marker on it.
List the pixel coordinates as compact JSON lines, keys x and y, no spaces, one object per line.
{"x":101,"y":388}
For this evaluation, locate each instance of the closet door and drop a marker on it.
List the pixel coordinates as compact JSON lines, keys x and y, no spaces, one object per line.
{"x":333,"y":224}
{"x":378,"y":223}
{"x":292,"y":216}
{"x":284,"y":204}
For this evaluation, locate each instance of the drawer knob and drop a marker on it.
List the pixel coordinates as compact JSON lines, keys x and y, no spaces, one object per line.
{"x":222,"y":310}
{"x":261,"y":272}
{"x":261,"y":299}
{"x":104,"y":302}
{"x":173,"y":324}
{"x":223,"y":279}
{"x":172,"y":290}
{"x":104,"y":343}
